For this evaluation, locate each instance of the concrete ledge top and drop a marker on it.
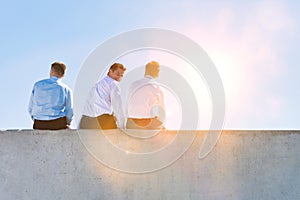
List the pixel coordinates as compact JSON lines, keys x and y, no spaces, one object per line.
{"x":82,"y":164}
{"x":280,"y":132}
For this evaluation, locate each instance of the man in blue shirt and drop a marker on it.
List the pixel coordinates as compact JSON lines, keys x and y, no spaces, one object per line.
{"x":50,"y":104}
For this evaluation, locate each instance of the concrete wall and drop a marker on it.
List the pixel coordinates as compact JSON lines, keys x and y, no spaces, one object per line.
{"x":60,"y":165}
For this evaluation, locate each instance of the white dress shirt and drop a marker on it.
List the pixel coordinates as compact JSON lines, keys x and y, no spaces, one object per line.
{"x":104,"y":98}
{"x":145,"y":99}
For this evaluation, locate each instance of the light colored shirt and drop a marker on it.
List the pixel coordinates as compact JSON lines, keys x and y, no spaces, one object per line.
{"x":105,"y":98}
{"x":145,"y":99}
{"x":51,"y":99}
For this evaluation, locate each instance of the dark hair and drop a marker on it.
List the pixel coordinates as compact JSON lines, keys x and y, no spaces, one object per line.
{"x":116,"y":66}
{"x":59,"y":68}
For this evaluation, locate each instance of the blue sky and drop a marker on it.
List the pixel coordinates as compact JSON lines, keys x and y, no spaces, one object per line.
{"x":254,"y":45}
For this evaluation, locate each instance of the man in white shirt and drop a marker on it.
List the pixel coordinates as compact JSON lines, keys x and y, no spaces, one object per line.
{"x":103,"y":109}
{"x":146,"y":101}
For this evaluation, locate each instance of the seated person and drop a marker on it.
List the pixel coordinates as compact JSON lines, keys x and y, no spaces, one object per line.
{"x":145,"y":101}
{"x":50,"y":104}
{"x":103,"y":109}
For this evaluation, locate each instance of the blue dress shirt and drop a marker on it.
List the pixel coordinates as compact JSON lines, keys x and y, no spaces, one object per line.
{"x":51,"y":99}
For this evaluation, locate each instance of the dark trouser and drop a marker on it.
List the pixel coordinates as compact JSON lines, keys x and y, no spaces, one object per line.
{"x":148,"y":123}
{"x":104,"y":121}
{"x":55,"y":124}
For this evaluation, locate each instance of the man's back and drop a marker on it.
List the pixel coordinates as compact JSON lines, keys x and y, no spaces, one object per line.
{"x":49,"y":99}
{"x":144,"y":95}
{"x":50,"y":105}
{"x":145,"y":101}
{"x":103,"y":108}
{"x":99,"y":98}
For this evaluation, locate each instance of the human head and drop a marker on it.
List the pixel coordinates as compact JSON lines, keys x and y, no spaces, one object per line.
{"x":116,"y":71}
{"x":58,"y":69}
{"x":152,"y":69}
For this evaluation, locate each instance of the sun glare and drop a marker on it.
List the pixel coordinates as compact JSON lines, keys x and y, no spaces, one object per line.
{"x":187,"y":73}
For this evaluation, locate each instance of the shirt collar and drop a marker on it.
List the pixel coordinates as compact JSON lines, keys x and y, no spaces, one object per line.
{"x":55,"y":78}
{"x":111,"y":79}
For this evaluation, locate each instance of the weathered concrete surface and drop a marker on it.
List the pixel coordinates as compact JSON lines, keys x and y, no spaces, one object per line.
{"x":243,"y":165}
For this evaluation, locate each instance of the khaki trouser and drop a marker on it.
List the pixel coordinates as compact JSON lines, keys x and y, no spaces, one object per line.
{"x":104,"y":121}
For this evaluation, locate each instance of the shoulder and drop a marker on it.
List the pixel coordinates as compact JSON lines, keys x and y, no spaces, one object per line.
{"x":104,"y":82}
{"x":140,"y":82}
{"x":144,"y":82}
{"x":64,"y":86}
{"x":41,"y":82}
{"x":111,"y":82}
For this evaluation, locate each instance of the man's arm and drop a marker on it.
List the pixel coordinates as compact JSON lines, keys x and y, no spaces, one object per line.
{"x":116,"y":102}
{"x":31,"y":103}
{"x":69,"y":106}
{"x":161,"y":104}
